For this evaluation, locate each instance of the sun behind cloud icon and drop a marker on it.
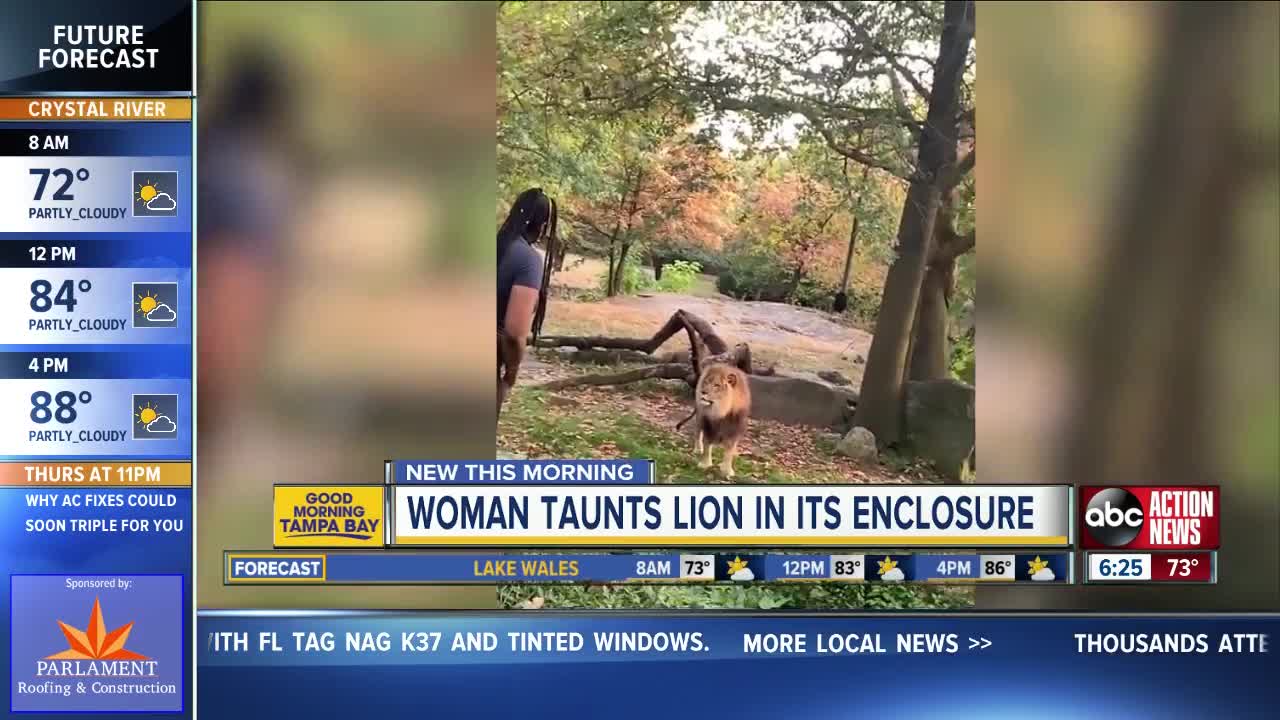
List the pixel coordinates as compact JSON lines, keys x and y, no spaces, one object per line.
{"x":1040,"y":570}
{"x":738,"y":569}
{"x":94,"y":642}
{"x":889,"y":570}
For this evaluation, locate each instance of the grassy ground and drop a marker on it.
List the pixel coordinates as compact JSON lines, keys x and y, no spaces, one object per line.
{"x":638,"y":422}
{"x":778,"y":596}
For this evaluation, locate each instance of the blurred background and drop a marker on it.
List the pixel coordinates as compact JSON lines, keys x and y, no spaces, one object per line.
{"x":346,"y":175}
{"x":1129,"y":331}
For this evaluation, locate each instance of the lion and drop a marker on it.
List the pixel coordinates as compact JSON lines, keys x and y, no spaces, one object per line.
{"x":722,"y":406}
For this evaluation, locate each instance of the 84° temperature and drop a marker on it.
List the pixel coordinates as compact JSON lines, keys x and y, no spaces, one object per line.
{"x":43,"y":296}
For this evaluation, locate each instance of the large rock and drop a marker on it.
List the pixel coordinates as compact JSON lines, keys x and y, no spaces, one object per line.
{"x":859,"y":444}
{"x":939,"y":424}
{"x":801,"y":401}
{"x":835,"y":377}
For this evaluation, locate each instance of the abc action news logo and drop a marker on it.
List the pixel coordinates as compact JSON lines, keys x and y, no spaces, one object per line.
{"x":1149,"y":518}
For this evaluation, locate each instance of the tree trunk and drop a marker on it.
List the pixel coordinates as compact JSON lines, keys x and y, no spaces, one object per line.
{"x":848,"y":257}
{"x":562,"y":249}
{"x":842,"y":297}
{"x":841,"y":302}
{"x":616,"y":287}
{"x":929,"y":357}
{"x":930,"y":348}
{"x":793,"y":284}
{"x":656,"y":261}
{"x":613,"y":250}
{"x":880,"y":402}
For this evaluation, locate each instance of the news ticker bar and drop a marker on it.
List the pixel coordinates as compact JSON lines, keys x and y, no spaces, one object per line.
{"x":1197,"y":568}
{"x":426,"y":568}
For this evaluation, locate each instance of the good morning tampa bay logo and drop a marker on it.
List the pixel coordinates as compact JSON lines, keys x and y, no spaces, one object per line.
{"x":326,"y":515}
{"x":95,"y":652}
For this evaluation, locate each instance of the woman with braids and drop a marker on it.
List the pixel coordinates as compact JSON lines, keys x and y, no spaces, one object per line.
{"x":523,"y":277}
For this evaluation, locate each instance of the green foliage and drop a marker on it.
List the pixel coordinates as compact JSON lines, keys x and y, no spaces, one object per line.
{"x":635,"y":279}
{"x":963,"y":360}
{"x":758,"y":277}
{"x":816,"y":596}
{"x":709,"y":261}
{"x":679,"y":276}
{"x":753,"y":275}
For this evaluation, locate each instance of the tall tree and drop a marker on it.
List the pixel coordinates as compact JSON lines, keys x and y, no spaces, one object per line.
{"x":653,"y":186}
{"x":855,"y":73}
{"x":568,"y":73}
{"x":792,"y":216}
{"x":880,"y":402}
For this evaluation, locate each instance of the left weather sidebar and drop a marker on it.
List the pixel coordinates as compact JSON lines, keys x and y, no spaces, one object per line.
{"x":97,"y":319}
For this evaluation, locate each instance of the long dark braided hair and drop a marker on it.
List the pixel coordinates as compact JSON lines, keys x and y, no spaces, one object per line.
{"x":534,"y":217}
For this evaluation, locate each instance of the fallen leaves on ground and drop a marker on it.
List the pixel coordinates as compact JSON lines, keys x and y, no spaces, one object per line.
{"x":770,"y":445}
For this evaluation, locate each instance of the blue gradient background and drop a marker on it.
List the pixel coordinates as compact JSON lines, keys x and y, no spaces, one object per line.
{"x":108,"y":250}
{"x":99,"y":138}
{"x":1031,"y":670}
{"x":169,"y":362}
{"x":120,"y":553}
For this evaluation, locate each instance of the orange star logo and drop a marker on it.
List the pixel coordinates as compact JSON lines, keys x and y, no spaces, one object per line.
{"x":96,"y":643}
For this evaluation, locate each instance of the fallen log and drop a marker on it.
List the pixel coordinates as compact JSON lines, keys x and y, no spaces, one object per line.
{"x":705,"y":347}
{"x":670,"y":371}
{"x":681,"y":320}
{"x":612,"y":357}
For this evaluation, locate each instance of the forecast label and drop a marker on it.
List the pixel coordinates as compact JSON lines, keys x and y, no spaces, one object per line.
{"x":353,"y":567}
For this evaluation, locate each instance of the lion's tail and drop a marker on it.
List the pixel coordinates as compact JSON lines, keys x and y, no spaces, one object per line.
{"x":682,"y":422}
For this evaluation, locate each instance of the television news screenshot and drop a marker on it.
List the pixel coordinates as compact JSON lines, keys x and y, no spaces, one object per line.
{"x":255,"y":461}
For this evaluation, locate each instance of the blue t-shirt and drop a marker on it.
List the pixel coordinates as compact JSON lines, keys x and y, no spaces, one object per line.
{"x":521,"y":266}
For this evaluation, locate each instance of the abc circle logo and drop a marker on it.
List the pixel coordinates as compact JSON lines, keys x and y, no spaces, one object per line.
{"x":1114,"y":517}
